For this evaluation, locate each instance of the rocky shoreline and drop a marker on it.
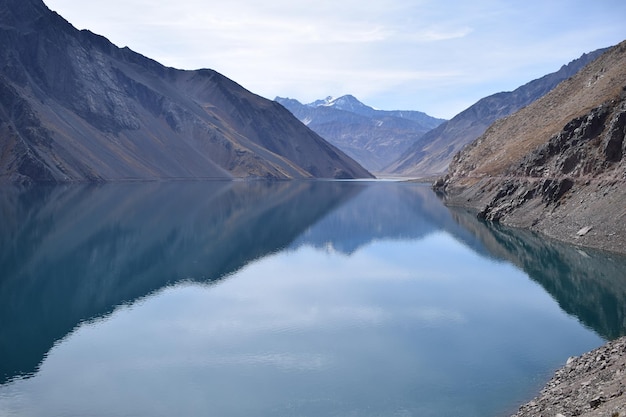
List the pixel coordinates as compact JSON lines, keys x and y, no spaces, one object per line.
{"x":590,"y":214}
{"x":591,"y":385}
{"x":557,"y":167}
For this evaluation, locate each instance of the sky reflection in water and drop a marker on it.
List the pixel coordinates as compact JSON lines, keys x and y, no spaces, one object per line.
{"x":396,"y":323}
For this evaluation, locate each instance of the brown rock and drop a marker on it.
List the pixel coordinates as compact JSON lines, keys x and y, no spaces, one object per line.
{"x":557,"y":166}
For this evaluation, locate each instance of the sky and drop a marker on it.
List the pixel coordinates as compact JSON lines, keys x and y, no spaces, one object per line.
{"x":435,"y":56}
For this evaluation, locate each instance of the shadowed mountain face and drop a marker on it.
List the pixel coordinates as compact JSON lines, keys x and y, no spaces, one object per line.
{"x":432,"y":153}
{"x":74,"y":107}
{"x":374,"y":138}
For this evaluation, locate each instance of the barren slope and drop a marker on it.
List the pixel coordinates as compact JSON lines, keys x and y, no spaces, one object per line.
{"x":431,"y":154}
{"x":557,"y":166}
{"x":74,"y":107}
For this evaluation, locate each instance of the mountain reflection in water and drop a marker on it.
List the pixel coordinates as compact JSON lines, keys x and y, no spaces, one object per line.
{"x":587,"y":283}
{"x":74,"y":253}
{"x":71,"y":254}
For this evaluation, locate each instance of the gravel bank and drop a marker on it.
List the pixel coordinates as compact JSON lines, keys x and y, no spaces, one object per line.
{"x":591,"y":385}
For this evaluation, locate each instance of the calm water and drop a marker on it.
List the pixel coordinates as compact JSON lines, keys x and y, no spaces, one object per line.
{"x":284,"y":299}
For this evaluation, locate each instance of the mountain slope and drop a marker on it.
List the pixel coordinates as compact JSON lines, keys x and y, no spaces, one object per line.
{"x":373,"y":137}
{"x":557,"y":166}
{"x":74,"y":107}
{"x":432,"y":153}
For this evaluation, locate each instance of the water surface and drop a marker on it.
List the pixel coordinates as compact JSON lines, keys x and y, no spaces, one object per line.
{"x":288,"y":298}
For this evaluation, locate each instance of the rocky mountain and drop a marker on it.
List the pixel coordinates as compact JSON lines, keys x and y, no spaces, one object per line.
{"x":373,"y":137}
{"x":557,"y":166}
{"x":432,"y":153}
{"x":74,"y":107}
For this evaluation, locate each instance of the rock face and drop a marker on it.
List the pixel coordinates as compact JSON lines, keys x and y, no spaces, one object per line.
{"x":592,"y":385}
{"x":374,"y":138}
{"x":432,"y":153}
{"x":74,"y":107}
{"x":557,"y":166}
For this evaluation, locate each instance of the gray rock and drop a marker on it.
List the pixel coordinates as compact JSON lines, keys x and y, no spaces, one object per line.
{"x":588,"y":386}
{"x":74,"y":107}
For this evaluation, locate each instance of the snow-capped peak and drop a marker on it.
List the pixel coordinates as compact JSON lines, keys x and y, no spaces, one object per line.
{"x":322,"y":102}
{"x":347,"y":103}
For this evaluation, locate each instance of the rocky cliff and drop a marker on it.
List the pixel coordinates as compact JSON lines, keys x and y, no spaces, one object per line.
{"x":431,"y":154}
{"x":74,"y":107}
{"x":374,"y":138}
{"x":557,"y":166}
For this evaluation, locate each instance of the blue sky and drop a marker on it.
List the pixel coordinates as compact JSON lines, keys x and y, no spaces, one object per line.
{"x":434,"y":56}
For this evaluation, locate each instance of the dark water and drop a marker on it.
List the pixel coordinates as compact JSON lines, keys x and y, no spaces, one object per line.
{"x":284,"y":299}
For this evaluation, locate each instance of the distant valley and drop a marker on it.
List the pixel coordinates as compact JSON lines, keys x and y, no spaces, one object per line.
{"x":374,"y":138}
{"x":76,"y":108}
{"x":410,"y":143}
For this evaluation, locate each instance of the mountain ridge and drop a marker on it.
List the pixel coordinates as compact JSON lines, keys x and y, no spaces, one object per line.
{"x":372,"y":137}
{"x":75,"y":107}
{"x":432,"y":153}
{"x":557,"y":166}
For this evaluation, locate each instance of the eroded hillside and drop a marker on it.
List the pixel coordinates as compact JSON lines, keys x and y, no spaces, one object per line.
{"x":431,"y":154}
{"x":74,"y":107}
{"x":557,"y":166}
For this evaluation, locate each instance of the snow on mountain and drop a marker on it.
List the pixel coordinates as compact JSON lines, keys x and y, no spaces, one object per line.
{"x":346,"y":103}
{"x":372,"y":137}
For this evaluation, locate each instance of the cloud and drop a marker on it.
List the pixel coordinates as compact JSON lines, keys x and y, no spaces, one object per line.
{"x":399,"y":54}
{"x":433,"y":35}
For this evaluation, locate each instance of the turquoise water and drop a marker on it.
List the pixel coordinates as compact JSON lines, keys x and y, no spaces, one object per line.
{"x":284,"y":299}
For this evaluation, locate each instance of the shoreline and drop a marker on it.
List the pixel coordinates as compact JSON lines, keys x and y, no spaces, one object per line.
{"x":599,"y":223}
{"x":590,"y":385}
{"x":593,"y":384}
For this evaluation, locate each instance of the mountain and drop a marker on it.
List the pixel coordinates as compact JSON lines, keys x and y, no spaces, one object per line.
{"x":74,"y":107}
{"x":373,"y":137}
{"x":557,"y":166}
{"x":432,"y":153}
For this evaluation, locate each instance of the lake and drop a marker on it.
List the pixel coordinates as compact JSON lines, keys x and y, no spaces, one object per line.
{"x":295,"y":298}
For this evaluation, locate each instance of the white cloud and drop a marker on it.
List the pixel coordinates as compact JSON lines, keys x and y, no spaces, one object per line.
{"x":425,"y":55}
